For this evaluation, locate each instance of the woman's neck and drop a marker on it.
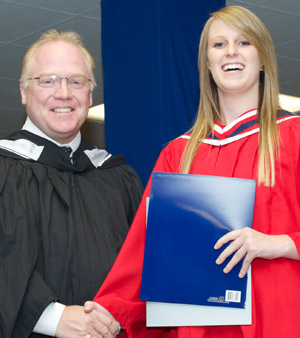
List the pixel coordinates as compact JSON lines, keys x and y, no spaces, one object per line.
{"x":232,"y":106}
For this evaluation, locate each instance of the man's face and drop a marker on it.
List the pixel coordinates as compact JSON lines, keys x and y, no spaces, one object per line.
{"x":59,"y":111}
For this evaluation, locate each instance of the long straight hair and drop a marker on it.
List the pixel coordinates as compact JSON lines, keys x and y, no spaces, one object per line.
{"x":251,"y":26}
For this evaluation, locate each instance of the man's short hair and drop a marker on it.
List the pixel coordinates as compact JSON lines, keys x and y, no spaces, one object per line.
{"x":53,"y":35}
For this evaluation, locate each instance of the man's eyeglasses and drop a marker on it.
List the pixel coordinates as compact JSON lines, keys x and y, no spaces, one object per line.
{"x":51,"y":81}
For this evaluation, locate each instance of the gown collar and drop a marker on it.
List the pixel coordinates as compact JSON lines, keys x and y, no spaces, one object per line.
{"x":245,"y":125}
{"x":26,"y":145}
{"x":31,"y":127}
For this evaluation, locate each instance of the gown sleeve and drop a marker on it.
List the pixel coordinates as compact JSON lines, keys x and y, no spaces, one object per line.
{"x":36,"y":298}
{"x":23,"y":294}
{"x":120,"y":292}
{"x":295,"y":157}
{"x":133,"y":191}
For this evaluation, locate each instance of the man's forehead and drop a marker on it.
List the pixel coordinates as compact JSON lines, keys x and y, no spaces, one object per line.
{"x":58,"y":46}
{"x":59,"y":54}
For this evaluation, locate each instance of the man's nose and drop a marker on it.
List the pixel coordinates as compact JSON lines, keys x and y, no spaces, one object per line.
{"x":63,"y":89}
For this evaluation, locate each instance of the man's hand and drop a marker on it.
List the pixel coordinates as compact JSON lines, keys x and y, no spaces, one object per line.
{"x":75,"y":322}
{"x":105,"y":317}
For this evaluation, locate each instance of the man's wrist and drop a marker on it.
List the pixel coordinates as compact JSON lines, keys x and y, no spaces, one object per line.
{"x":48,"y":321}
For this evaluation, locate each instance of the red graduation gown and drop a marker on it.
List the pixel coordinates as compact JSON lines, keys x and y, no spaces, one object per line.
{"x":233,"y":152}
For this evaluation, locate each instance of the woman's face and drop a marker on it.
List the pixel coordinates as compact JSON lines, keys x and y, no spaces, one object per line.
{"x":234,"y":63}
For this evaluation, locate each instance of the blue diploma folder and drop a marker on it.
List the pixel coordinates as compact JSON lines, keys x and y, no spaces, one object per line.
{"x":187,"y":215}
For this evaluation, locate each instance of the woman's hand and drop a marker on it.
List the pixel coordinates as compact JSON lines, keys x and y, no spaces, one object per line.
{"x":112,"y":326}
{"x":250,"y":244}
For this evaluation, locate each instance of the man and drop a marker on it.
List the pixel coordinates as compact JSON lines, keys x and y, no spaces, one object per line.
{"x":64,"y":212}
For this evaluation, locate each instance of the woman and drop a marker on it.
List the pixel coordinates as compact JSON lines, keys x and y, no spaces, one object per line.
{"x":239,"y":132}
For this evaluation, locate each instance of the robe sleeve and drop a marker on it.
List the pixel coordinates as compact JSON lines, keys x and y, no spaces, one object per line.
{"x":295,"y":159}
{"x":36,"y":298}
{"x":23,"y":294}
{"x":120,"y":292}
{"x":134,"y":191}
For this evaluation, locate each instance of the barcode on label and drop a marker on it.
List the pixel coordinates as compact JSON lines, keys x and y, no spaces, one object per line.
{"x":233,"y":296}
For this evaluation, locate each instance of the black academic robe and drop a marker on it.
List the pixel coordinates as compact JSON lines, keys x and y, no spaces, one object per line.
{"x":62,"y":225}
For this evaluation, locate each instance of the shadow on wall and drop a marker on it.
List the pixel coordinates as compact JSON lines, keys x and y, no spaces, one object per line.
{"x":94,"y":133}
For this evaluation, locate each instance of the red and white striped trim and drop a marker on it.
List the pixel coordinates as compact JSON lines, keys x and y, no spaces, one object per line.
{"x":231,"y":139}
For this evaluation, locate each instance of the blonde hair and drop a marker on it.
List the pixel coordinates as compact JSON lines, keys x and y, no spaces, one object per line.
{"x":53,"y":35}
{"x":251,"y":26}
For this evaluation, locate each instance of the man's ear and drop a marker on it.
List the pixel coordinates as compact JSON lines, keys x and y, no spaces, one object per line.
{"x":23,"y":93}
{"x":91,"y":98}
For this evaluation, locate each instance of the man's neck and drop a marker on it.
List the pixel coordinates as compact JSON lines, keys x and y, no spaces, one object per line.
{"x":31,"y":127}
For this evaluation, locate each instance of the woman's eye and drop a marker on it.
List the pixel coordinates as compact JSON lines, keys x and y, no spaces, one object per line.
{"x":219,"y":44}
{"x":245,"y":43}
